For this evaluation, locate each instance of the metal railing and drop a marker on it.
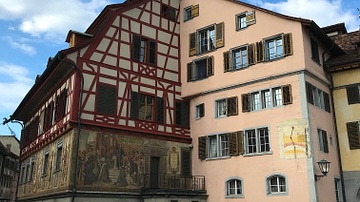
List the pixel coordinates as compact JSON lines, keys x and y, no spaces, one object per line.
{"x":174,"y":182}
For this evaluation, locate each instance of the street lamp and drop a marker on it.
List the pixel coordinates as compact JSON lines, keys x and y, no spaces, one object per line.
{"x":324,"y":166}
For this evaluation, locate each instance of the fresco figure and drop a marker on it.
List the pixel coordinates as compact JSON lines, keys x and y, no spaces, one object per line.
{"x":119,"y":156}
{"x":89,"y":175}
{"x":122,"y":182}
{"x":104,"y":171}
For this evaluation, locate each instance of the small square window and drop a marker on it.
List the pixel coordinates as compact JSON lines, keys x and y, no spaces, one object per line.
{"x":187,"y":13}
{"x":234,"y":188}
{"x":274,"y":48}
{"x":241,"y":21}
{"x":199,"y":111}
{"x":276,"y":185}
{"x":226,"y":107}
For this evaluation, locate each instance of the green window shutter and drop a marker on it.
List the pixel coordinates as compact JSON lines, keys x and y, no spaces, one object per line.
{"x":232,"y":104}
{"x":245,"y":100}
{"x":251,"y":54}
{"x":192,"y":44}
{"x":287,"y":43}
{"x":106,"y":100}
{"x":160,"y":110}
{"x":219,"y":35}
{"x":353,"y":94}
{"x":136,"y":45}
{"x":210,"y":66}
{"x":202,"y":148}
{"x":134,"y":111}
{"x":226,"y":61}
{"x":309,"y":93}
{"x":259,"y":51}
{"x":327,"y":102}
{"x":195,"y":11}
{"x":190,"y":74}
{"x":286,"y":94}
{"x":353,"y":134}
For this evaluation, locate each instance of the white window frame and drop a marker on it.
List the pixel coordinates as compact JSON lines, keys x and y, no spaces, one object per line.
{"x":276,"y":44}
{"x":221,"y":108}
{"x":278,"y":186}
{"x":241,"y":21}
{"x":218,"y":145}
{"x":255,"y":134}
{"x":198,"y":110}
{"x":238,"y":187}
{"x":321,"y":140}
{"x":206,"y":39}
{"x":187,"y":13}
{"x":338,"y":190}
{"x":274,"y":99}
{"x":243,"y":55}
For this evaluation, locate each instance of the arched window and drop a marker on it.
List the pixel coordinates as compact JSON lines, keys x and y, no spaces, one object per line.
{"x":234,"y":188}
{"x":276,"y":184}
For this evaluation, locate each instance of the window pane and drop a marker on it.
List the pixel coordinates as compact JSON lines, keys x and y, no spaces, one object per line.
{"x":224,"y":146}
{"x":200,"y":69}
{"x":255,"y":97}
{"x":221,"y":108}
{"x":264,"y":140}
{"x":212,"y":146}
{"x":251,"y":141}
{"x":266,"y":99}
{"x":277,"y":96}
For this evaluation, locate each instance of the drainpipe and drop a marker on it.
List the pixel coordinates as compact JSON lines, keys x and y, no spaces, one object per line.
{"x":79,"y":121}
{"x":335,"y":122}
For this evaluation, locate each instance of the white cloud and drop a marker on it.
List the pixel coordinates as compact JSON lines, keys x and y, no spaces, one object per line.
{"x":22,"y":45}
{"x":323,"y":12}
{"x":51,"y":19}
{"x":14,"y":85}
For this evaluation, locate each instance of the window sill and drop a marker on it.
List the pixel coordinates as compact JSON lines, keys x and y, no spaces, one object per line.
{"x":235,"y":196}
{"x":277,"y":194}
{"x":217,"y":158}
{"x":258,"y":154}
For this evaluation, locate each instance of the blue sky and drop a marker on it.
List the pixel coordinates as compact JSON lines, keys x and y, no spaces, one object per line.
{"x":30,"y":34}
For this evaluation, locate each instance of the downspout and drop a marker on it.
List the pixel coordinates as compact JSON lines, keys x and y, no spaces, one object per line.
{"x":335,"y":122}
{"x":79,"y":122}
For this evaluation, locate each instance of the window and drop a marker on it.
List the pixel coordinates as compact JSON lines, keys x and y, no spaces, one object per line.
{"x":143,"y":50}
{"x":257,"y":141}
{"x":200,"y":69}
{"x":206,"y":39}
{"x":323,"y":141}
{"x":273,"y":47}
{"x":199,"y":111}
{"x":23,"y":175}
{"x":45,"y":163}
{"x":267,"y":98}
{"x":244,"y":20}
{"x":353,"y":94}
{"x":337,"y":189}
{"x":234,"y":188}
{"x":60,"y":105}
{"x":106,"y":99}
{"x":48,"y":116}
{"x":314,"y":50}
{"x":353,"y":130}
{"x":185,"y":162}
{"x":220,"y":145}
{"x":182,"y":114}
{"x":276,"y":184}
{"x":236,"y":59}
{"x":58,"y":157}
{"x":32,"y":167}
{"x":142,"y":106}
{"x":168,"y":12}
{"x":191,"y":12}
{"x":226,"y":107}
{"x":317,"y":97}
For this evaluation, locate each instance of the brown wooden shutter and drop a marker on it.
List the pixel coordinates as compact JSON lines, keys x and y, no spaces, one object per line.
{"x":286,"y":94}
{"x":202,"y":148}
{"x":210,"y":66}
{"x":309,"y":93}
{"x":195,"y":11}
{"x":185,"y":114}
{"x":353,"y":135}
{"x":327,"y":102}
{"x":287,"y":42}
{"x":134,"y":110}
{"x":353,"y":94}
{"x":245,"y":100}
{"x":259,"y":51}
{"x":152,"y":52}
{"x":251,"y":54}
{"x":232,"y":104}
{"x":226,"y":61}
{"x":136,"y":45}
{"x":233,"y":144}
{"x":325,"y":141}
{"x":185,"y":162}
{"x":192,"y":42}
{"x":160,"y":110}
{"x":219,"y":35}
{"x":190,"y":69}
{"x":240,"y":136}
{"x":202,"y":110}
{"x":250,"y":18}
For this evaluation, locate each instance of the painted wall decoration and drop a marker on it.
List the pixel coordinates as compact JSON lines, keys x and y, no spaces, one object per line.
{"x":293,"y":139}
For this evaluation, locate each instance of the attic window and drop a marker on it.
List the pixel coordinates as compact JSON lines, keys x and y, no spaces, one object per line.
{"x":244,"y":20}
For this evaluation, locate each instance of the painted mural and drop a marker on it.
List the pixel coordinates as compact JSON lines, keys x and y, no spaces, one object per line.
{"x":110,"y":160}
{"x":293,"y":139}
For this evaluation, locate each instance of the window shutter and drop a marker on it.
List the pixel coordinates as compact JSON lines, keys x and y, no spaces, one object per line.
{"x":353,"y":94}
{"x":195,"y":11}
{"x":240,"y":136}
{"x":192,"y":42}
{"x":259,"y":51}
{"x":106,"y":100}
{"x":190,"y":75}
{"x":172,"y":14}
{"x":152,"y":52}
{"x":64,"y":98}
{"x":250,"y":18}
{"x":160,"y":110}
{"x":353,"y":135}
{"x":327,"y":102}
{"x":202,"y":110}
{"x":245,"y":99}
{"x":185,"y":114}
{"x":136,"y":44}
{"x":325,"y":141}
{"x":185,"y":163}
{"x":210,"y":66}
{"x":287,"y":41}
{"x":286,"y":94}
{"x":219,"y":35}
{"x":226,"y":61}
{"x":251,"y":54}
{"x":232,"y":106}
{"x":233,"y":144}
{"x":134,"y":111}
{"x":309,"y":93}
{"x":202,"y":148}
